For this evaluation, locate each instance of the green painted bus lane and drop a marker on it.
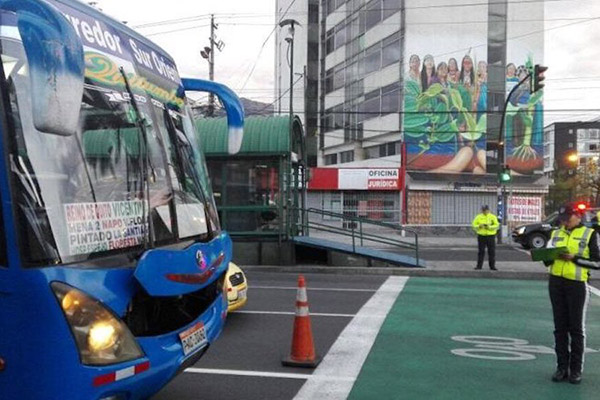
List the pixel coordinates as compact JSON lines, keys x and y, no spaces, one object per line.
{"x":473,"y":338}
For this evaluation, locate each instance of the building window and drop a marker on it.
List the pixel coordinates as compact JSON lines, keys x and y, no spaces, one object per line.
{"x":390,"y":7}
{"x":333,"y":5}
{"x":328,"y":120}
{"x":338,"y":117}
{"x":329,"y":41}
{"x":390,"y":99}
{"x":372,"y":59}
{"x":346,"y":156}
{"x":340,"y":35}
{"x":391,"y":50}
{"x":329,"y":81}
{"x":371,"y":107}
{"x":331,"y":159}
{"x":338,"y":77}
{"x":373,"y":13}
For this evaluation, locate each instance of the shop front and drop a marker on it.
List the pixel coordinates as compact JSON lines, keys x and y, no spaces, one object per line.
{"x":372,"y":193}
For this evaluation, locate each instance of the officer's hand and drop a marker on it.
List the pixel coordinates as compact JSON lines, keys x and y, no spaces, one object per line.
{"x":566,"y":257}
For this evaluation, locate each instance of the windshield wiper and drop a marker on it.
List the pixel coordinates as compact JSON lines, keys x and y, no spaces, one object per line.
{"x":140,"y":122}
{"x":186,"y":147}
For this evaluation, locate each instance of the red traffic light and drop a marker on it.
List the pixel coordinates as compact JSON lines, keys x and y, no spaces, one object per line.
{"x":581,"y":206}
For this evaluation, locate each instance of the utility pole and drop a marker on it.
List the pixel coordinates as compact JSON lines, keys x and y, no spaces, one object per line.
{"x":504,"y":169}
{"x":290,"y":41}
{"x":208,"y":53}
{"x":211,"y":66}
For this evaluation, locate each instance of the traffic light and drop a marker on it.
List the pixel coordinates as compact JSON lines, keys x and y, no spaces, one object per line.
{"x":581,"y":206}
{"x":504,"y":176}
{"x":538,"y":77}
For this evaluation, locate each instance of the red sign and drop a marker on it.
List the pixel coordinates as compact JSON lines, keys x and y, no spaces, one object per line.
{"x":355,"y":179}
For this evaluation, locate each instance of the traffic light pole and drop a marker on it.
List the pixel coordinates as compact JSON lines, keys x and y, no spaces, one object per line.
{"x":502,"y":159}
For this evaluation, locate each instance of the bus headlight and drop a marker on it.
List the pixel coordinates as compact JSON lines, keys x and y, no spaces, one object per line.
{"x":101,"y":337}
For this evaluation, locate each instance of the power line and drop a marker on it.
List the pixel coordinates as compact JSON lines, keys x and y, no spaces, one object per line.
{"x":277,"y":99}
{"x":176,"y":30}
{"x":265,"y":43}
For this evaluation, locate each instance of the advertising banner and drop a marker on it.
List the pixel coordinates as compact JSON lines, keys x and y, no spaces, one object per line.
{"x":524,"y":208}
{"x":355,"y":179}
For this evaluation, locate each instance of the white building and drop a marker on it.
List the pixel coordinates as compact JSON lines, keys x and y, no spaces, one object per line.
{"x":364,"y":105}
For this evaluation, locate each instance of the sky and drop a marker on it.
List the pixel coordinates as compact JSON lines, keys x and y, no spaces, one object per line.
{"x":572,"y":46}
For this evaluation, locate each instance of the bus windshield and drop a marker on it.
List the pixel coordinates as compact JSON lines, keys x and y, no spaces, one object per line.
{"x":126,"y":181}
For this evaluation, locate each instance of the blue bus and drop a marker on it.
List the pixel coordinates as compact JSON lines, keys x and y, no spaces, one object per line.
{"x":112,"y":260}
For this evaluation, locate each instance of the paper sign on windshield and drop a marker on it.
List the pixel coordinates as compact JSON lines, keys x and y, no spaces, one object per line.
{"x":104,"y":226}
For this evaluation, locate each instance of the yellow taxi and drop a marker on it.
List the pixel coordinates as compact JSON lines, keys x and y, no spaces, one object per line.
{"x":236,"y":286}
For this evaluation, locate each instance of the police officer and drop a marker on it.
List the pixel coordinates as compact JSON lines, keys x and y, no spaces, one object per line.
{"x":486,"y":225}
{"x":568,"y":289}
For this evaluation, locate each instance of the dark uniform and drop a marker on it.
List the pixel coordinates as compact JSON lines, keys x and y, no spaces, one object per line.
{"x":569,"y":293}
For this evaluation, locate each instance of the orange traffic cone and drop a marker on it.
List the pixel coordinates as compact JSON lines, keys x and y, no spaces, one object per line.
{"x":303,"y":348}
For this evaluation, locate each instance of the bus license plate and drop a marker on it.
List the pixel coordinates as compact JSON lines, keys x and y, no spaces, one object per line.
{"x":193,"y":338}
{"x":242,"y":294}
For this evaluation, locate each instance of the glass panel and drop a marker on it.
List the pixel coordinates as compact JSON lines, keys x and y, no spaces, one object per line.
{"x":373,"y":13}
{"x":115,"y":185}
{"x":372,"y":59}
{"x":390,"y":7}
{"x":391,"y":53}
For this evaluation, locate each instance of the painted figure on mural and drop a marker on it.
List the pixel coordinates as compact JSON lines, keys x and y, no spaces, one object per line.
{"x":414,"y":73}
{"x":467,"y":74}
{"x":428,"y":72}
{"x":480,"y":98}
{"x":441,"y":75}
{"x":453,"y":72}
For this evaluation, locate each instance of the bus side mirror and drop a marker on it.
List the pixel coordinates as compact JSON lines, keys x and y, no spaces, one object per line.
{"x":56,"y":65}
{"x":233,"y":106}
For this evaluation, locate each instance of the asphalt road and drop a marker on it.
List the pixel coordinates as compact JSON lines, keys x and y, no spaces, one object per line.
{"x":256,"y":338}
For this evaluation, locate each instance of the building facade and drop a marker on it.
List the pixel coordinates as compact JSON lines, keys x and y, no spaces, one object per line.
{"x":428,"y":79}
{"x":568,"y":145}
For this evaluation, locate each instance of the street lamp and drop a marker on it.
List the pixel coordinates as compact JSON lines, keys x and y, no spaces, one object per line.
{"x":290,"y":40}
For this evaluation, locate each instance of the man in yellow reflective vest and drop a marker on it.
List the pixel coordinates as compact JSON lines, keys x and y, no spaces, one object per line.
{"x":568,"y":289}
{"x":486,"y":226}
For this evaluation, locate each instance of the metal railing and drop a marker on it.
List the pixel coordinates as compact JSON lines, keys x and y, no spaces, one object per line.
{"x":360,"y":230}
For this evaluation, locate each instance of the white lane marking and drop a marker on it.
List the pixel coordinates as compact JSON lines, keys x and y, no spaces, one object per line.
{"x":261,"y":374}
{"x":335,"y":376}
{"x":247,"y":373}
{"x":594,"y":290}
{"x":291,"y":313}
{"x":313,"y":289}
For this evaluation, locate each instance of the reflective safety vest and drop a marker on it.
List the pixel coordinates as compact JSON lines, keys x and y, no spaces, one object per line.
{"x":576,"y":243}
{"x":490,"y":220}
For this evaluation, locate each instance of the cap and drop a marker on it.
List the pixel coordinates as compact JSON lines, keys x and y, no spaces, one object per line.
{"x":485,"y":207}
{"x":566,"y":210}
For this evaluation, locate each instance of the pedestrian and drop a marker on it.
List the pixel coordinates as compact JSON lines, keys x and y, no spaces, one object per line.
{"x":486,"y":226}
{"x":569,"y":292}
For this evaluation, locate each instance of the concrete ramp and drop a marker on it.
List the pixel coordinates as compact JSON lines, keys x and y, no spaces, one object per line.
{"x":360,"y":251}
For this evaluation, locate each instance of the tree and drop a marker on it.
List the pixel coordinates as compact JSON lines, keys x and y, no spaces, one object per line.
{"x":589,"y":181}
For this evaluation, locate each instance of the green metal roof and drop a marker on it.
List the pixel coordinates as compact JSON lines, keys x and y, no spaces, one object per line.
{"x":262,"y":135}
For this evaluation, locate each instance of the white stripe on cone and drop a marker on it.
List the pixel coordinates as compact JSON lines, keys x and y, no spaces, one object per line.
{"x":302,"y":311}
{"x":301,"y":295}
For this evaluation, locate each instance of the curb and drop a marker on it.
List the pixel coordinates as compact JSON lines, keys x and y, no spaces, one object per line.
{"x":420,"y":272}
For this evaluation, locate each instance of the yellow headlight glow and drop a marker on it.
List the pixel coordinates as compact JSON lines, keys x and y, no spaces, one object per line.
{"x":70,"y":301}
{"x":102,"y":336}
